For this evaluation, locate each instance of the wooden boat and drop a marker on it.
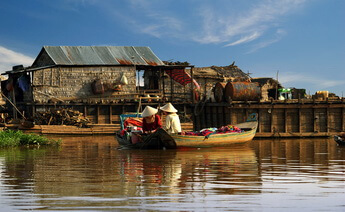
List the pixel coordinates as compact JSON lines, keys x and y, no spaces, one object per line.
{"x":161,"y":139}
{"x":158,"y":140}
{"x":248,"y":132}
{"x":340,"y":141}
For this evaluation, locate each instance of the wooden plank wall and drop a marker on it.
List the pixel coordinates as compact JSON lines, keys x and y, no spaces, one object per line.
{"x":277,"y":120}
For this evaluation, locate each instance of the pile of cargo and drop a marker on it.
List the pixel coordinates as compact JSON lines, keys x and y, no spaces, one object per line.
{"x":61,"y":117}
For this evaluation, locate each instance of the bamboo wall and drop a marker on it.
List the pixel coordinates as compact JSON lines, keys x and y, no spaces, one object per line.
{"x":70,"y":83}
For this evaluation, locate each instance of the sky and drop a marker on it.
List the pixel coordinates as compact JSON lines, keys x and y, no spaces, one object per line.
{"x":300,"y":42}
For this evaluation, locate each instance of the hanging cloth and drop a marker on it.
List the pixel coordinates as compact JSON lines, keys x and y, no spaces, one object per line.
{"x":24,"y":83}
{"x":182,"y":77}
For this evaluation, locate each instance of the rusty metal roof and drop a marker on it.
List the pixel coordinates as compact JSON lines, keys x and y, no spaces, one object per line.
{"x":96,"y":55}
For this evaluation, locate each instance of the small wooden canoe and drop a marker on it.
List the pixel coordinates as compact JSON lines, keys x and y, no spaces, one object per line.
{"x":157,"y":140}
{"x":216,"y":140}
{"x":339,"y":140}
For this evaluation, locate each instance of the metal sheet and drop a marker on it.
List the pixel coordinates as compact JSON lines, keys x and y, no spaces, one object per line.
{"x":57,"y":55}
{"x":102,"y":55}
{"x":147,"y":54}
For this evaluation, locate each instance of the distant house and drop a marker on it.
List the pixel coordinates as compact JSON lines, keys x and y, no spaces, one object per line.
{"x":269,"y":88}
{"x":207,"y":77}
{"x":89,"y":75}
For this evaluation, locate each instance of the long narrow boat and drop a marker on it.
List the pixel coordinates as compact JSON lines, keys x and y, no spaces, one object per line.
{"x":223,"y":139}
{"x":161,"y":139}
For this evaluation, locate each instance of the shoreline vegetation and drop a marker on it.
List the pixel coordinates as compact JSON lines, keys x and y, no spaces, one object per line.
{"x":11,"y":138}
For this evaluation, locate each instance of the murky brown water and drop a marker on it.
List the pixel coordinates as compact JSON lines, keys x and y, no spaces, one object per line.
{"x":89,"y":173}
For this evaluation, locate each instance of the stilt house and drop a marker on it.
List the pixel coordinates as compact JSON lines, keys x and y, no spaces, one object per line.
{"x":100,"y":81}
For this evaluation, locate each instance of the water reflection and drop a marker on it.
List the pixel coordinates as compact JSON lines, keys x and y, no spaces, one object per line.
{"x":90,"y":173}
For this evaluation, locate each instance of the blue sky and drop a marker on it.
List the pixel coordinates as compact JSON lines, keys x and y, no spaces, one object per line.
{"x":301,"y":40}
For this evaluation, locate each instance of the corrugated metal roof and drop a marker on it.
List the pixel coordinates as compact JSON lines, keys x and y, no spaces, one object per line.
{"x":101,"y":55}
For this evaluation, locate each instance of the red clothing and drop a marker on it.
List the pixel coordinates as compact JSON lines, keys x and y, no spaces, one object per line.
{"x":154,"y":125}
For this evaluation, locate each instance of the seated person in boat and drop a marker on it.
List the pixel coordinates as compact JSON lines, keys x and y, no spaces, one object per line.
{"x":172,"y":120}
{"x":151,"y":121}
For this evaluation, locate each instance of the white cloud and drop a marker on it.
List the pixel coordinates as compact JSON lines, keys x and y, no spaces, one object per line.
{"x":249,"y":24}
{"x":203,"y":22}
{"x":278,"y":36}
{"x":316,"y":81}
{"x":245,"y":39}
{"x":9,"y":58}
{"x":209,"y":24}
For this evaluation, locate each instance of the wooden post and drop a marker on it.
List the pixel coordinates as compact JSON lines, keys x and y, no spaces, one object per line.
{"x":327,"y":119}
{"x":343,"y":119}
{"x":226,"y":115}
{"x":214,"y":114}
{"x":32,"y":108}
{"x":208,"y":116}
{"x":285,"y":119}
{"x":222,"y":115}
{"x":272,"y":127}
{"x":97,"y":114}
{"x":110,"y":114}
{"x":14,"y":104}
{"x":259,"y":122}
{"x":299,"y":120}
{"x":314,"y":120}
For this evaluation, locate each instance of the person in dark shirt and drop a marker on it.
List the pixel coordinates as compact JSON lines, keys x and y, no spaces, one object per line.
{"x":151,"y":121}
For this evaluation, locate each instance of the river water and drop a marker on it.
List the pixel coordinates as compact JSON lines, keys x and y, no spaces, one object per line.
{"x":91,"y":174}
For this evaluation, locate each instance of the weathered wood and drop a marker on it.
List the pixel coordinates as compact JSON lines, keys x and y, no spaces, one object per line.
{"x":327,"y":119}
{"x":97,"y":114}
{"x":343,"y":119}
{"x":227,"y":117}
{"x":285,"y":120}
{"x":214,"y":117}
{"x":271,"y":121}
{"x":299,"y":120}
{"x":259,"y":123}
{"x":110,"y":114}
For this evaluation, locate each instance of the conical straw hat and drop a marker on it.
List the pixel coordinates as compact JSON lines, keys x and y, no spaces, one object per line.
{"x":149,"y":111}
{"x":169,"y":108}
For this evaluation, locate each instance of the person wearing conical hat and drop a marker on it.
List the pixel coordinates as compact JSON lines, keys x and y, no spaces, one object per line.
{"x":172,"y":120}
{"x":151,"y":121}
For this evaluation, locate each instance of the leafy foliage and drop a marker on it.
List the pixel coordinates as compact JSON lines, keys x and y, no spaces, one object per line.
{"x":16,"y":138}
